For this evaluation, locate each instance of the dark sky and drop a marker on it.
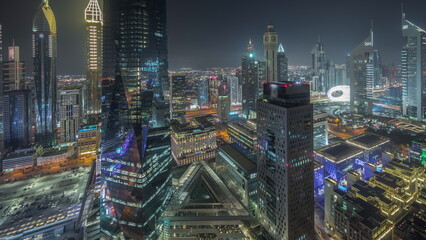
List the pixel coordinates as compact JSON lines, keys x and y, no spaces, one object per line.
{"x":208,"y":33}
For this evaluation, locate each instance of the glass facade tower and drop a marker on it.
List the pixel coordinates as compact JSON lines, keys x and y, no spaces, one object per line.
{"x":136,"y":157}
{"x":44,"y":60}
{"x":413,"y":71}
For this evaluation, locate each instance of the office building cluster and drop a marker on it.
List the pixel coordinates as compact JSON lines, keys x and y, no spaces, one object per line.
{"x":265,"y":150}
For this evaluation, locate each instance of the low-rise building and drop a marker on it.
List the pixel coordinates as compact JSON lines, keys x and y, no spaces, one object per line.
{"x":417,"y":152}
{"x":320,"y":129}
{"x":372,"y":144}
{"x":193,"y":141}
{"x":19,"y":159}
{"x":238,"y":170}
{"x":53,"y":156}
{"x":377,"y":208}
{"x":243,"y":133}
{"x":88,"y":140}
{"x":338,"y":159}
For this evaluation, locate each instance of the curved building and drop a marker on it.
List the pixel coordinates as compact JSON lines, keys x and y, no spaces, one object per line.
{"x":44,"y":60}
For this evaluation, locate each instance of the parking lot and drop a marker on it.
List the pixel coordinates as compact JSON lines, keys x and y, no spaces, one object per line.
{"x":33,"y":197}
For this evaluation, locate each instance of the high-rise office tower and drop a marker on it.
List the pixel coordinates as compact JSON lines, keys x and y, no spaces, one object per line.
{"x":234,"y":88}
{"x":1,"y":43}
{"x":282,"y":64}
{"x":70,"y":113}
{"x":178,"y":95}
{"x":44,"y":61}
{"x":224,"y":102}
{"x":413,"y":70}
{"x":285,"y":166}
{"x":319,"y":64}
{"x":250,"y":82}
{"x":361,"y":74}
{"x":17,"y":114}
{"x":213,"y":87}
{"x":1,"y":90}
{"x":94,"y":21}
{"x":378,"y":69}
{"x":135,"y":157}
{"x":203,"y":92}
{"x":270,"y":44}
{"x":13,"y":71}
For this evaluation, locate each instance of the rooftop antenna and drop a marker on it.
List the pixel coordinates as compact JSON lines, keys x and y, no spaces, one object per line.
{"x":372,"y":33}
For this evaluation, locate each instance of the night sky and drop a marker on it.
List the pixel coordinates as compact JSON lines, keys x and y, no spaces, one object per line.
{"x":214,"y":33}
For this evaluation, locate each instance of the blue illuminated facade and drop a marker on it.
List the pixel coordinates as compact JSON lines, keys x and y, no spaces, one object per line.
{"x":338,"y":159}
{"x":44,"y":60}
{"x":136,"y":157}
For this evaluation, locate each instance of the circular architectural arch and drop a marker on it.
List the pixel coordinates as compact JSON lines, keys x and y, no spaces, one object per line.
{"x":339,"y":93}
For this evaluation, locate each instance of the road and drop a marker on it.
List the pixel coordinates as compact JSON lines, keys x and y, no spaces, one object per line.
{"x":22,"y":174}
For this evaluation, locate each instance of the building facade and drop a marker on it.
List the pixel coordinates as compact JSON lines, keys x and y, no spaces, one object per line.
{"x":413,"y":70}
{"x":178,"y":96}
{"x":250,"y":82}
{"x":94,"y":33}
{"x":285,"y":168}
{"x":282,"y":64}
{"x":270,"y":44}
{"x":193,"y":141}
{"x":44,"y":61}
{"x":88,"y":140}
{"x":70,"y":113}
{"x":13,"y":71}
{"x":224,"y":102}
{"x":320,"y":129}
{"x":18,"y":119}
{"x":361,"y":75}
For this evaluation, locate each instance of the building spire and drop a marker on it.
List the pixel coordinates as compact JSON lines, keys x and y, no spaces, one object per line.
{"x":372,"y":32}
{"x":93,"y":12}
{"x":250,"y":45}
{"x":281,"y":48}
{"x":402,"y":13}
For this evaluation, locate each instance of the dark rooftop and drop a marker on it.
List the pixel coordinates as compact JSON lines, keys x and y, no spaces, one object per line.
{"x":368,"y":140}
{"x":242,"y":160}
{"x":339,"y":151}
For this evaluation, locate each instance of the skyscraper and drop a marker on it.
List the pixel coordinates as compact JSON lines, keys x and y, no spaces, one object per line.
{"x":203,"y":92}
{"x":285,"y":164}
{"x":44,"y":61}
{"x":270,"y":44}
{"x":13,"y":71}
{"x":1,"y":90}
{"x":413,"y":70}
{"x":70,"y":113}
{"x":361,"y":75}
{"x":250,"y":82}
{"x":177,"y":101}
{"x":319,"y":64}
{"x":135,"y":157}
{"x":94,"y":21}
{"x":224,"y":102}
{"x":282,"y":64}
{"x":17,"y":109}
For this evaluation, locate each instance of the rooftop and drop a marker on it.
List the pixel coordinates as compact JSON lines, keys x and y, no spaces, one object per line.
{"x":241,"y":159}
{"x":368,"y":140}
{"x":338,"y":152}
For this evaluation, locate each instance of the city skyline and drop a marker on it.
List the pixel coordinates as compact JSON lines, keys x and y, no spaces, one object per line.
{"x":243,"y":120}
{"x":192,"y":36}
